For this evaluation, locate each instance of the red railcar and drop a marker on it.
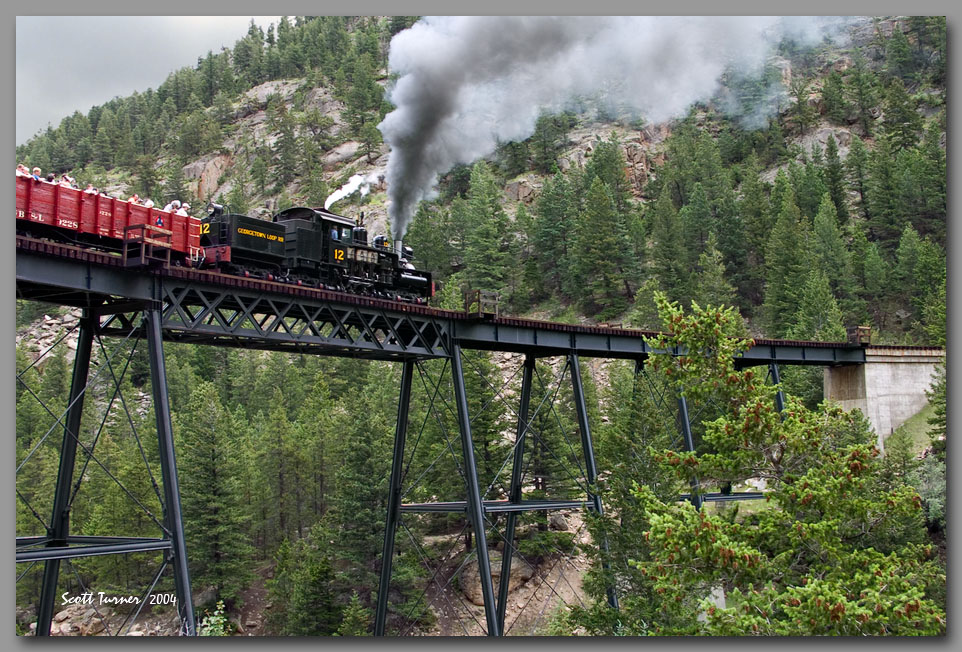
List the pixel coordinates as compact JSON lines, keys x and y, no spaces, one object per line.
{"x":40,"y":203}
{"x":99,"y":219}
{"x":67,"y":215}
{"x":105,"y":215}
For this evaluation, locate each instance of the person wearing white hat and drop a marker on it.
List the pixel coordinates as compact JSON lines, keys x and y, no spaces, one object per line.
{"x":183,"y":209}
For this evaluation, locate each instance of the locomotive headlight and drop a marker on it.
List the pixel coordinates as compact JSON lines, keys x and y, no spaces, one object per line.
{"x":213,"y":210}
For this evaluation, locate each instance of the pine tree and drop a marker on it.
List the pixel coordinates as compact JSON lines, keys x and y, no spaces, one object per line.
{"x":863,"y":89}
{"x":832,"y":256}
{"x":906,"y":262}
{"x":781,"y":188}
{"x":818,"y":318}
{"x":259,"y":173}
{"x":809,"y":183}
{"x":214,"y":519}
{"x":545,"y":145}
{"x":361,"y":455}
{"x":356,"y":620}
{"x":488,"y":238}
{"x":833,"y":99}
{"x":901,"y":120}
{"x":303,"y":589}
{"x":364,"y":97}
{"x":554,"y":230}
{"x":834,"y":177}
{"x":876,"y":274}
{"x":899,"y":59}
{"x":787,"y":259}
{"x":710,"y":287}
{"x":430,"y":237}
{"x":285,"y":150}
{"x":697,"y":222}
{"x":525,"y":283}
{"x":668,"y":257}
{"x":803,"y":114}
{"x":755,"y":212}
{"x":886,"y":221}
{"x":856,"y":168}
{"x":927,"y":186}
{"x":607,"y":162}
{"x":600,"y":258}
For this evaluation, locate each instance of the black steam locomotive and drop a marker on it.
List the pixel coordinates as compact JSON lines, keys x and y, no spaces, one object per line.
{"x":313,"y":247}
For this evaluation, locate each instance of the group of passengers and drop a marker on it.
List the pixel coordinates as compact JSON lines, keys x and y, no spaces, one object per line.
{"x":175,"y":206}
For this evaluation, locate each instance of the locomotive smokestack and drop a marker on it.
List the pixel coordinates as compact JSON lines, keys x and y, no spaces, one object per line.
{"x":398,"y":247}
{"x":466,"y":84}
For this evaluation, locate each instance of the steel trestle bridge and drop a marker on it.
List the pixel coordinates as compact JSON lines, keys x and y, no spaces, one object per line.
{"x":194,"y":306}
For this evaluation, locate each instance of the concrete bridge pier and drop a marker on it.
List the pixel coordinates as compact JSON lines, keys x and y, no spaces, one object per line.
{"x":889,"y":388}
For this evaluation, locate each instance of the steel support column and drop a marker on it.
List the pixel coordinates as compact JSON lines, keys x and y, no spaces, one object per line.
{"x":394,"y":497}
{"x":59,"y":528}
{"x":696,"y":497}
{"x":514,"y":495}
{"x":591,"y":470}
{"x":475,"y":506}
{"x":168,"y":467}
{"x":776,"y":380}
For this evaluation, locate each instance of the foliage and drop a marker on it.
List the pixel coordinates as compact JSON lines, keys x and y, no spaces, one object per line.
{"x":209,"y":479}
{"x":216,"y":623}
{"x":841,"y":550}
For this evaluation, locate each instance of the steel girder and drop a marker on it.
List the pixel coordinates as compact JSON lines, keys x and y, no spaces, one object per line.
{"x":207,"y":314}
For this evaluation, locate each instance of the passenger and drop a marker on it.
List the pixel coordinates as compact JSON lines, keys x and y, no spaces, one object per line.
{"x":36,"y":174}
{"x":51,"y":178}
{"x":183,"y":209}
{"x":23,"y":170}
{"x":90,"y":190}
{"x":149,"y":203}
{"x":65,"y":180}
{"x":172,"y":206}
{"x":134,"y":199}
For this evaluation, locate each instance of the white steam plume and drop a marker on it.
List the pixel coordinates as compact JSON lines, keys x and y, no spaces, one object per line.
{"x":356,"y":182}
{"x":466,"y":84}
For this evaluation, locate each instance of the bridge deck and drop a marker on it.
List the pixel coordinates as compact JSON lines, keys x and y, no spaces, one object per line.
{"x":210,"y":308}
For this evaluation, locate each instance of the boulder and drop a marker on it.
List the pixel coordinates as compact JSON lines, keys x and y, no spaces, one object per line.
{"x":470,"y":579}
{"x":520,"y":191}
{"x":557,"y":522}
{"x":26,"y":616}
{"x":341,"y":154}
{"x":206,"y":596}
{"x":92,"y":628}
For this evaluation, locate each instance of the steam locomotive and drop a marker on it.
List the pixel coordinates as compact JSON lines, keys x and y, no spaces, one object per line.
{"x":300,"y":245}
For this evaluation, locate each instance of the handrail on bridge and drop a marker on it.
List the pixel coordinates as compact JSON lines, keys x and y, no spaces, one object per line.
{"x":481,"y":303}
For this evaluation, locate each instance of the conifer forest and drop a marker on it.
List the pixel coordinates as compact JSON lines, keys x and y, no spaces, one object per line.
{"x":801,"y":196}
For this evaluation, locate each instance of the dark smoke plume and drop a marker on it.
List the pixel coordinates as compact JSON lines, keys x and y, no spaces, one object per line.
{"x":466,"y":84}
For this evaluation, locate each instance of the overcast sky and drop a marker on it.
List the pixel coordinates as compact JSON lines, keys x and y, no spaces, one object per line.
{"x":71,"y":63}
